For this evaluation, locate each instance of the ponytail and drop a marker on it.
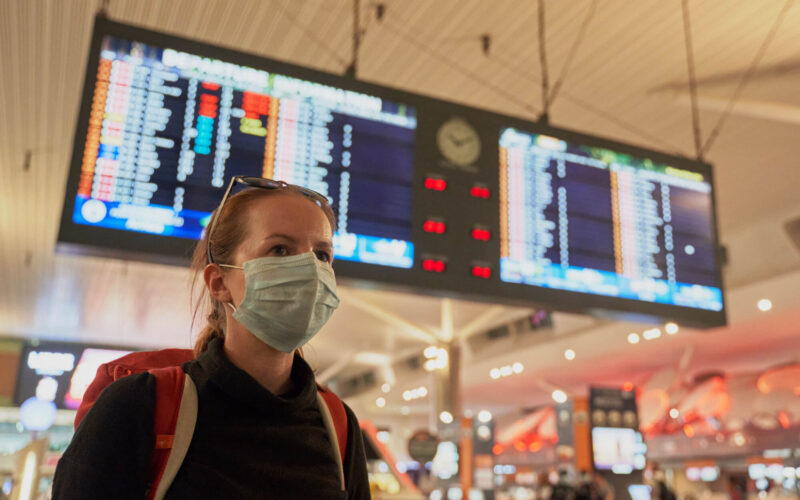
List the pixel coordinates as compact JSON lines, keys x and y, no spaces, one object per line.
{"x":215,"y":328}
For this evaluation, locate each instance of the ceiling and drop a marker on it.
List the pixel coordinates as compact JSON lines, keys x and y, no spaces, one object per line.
{"x":626,"y":82}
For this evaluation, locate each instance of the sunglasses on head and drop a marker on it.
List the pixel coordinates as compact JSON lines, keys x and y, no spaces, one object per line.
{"x":257,"y":182}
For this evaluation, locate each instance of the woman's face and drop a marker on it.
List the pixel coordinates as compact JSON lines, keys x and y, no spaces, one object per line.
{"x":281,"y":225}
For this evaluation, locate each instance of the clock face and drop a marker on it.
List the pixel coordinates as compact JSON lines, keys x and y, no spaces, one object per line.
{"x":458,"y":142}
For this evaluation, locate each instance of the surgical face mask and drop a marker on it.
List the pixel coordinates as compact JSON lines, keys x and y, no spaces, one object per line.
{"x":287,"y":299}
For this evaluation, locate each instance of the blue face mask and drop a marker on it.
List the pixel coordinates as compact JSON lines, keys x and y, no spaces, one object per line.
{"x":287,"y":299}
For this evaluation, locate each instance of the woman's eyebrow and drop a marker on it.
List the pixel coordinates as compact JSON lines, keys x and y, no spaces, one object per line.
{"x":280,"y":235}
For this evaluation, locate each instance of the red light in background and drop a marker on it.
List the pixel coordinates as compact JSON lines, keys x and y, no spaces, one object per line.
{"x":433,"y":265}
{"x":519,"y":446}
{"x":479,"y":192}
{"x":432,"y":226}
{"x":435,"y":184}
{"x":481,"y":272}
{"x":210,"y":86}
{"x":498,"y":449}
{"x":688,"y":430}
{"x":481,"y":234}
{"x":783,"y":418}
{"x":627,"y":387}
{"x":535,"y":446}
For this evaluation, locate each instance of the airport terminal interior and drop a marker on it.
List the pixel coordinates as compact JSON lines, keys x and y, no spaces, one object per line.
{"x":567,"y":232}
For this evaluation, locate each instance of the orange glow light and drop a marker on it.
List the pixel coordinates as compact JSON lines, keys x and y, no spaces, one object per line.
{"x":535,"y":446}
{"x":519,"y":446}
{"x":627,"y":386}
{"x":497,"y":449}
{"x":688,"y":430}
{"x":783,"y":418}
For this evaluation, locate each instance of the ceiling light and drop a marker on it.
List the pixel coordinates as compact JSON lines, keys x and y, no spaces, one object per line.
{"x":671,"y":328}
{"x":559,"y":396}
{"x":569,"y":354}
{"x":380,"y":402}
{"x":495,"y":373}
{"x":383,"y":436}
{"x":485,"y":416}
{"x":446,"y":417}
{"x":633,"y":338}
{"x":517,"y":367}
{"x":674,"y":413}
{"x":764,"y":305}
{"x":431,"y":351}
{"x":407,"y":395}
{"x":506,"y":371}
{"x":386,"y":388}
{"x":651,"y":334}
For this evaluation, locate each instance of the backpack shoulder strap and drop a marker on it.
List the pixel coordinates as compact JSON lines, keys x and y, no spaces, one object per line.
{"x":335,"y":418}
{"x":174,"y":422}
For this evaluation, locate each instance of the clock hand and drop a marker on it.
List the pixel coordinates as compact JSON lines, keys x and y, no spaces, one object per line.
{"x":467,"y":139}
{"x":454,"y":139}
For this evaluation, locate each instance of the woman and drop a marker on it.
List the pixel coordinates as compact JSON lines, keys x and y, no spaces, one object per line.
{"x":266,"y":263}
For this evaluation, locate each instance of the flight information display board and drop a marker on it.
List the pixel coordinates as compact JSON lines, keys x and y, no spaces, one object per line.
{"x":168,"y":129}
{"x":430,"y":196}
{"x":592,"y":220}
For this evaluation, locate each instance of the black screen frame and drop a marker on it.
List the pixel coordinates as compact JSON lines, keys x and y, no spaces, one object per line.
{"x":97,"y":241}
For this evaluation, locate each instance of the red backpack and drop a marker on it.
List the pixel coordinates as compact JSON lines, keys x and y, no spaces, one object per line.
{"x":176,"y":411}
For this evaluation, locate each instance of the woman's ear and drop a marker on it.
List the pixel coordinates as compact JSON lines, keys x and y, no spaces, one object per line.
{"x":212,"y":275}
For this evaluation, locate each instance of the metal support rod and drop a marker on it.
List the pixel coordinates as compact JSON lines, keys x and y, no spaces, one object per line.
{"x":352,"y":71}
{"x":687,"y":32}
{"x":543,"y":62}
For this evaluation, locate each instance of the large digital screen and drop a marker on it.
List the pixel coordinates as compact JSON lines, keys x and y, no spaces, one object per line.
{"x":592,"y":220}
{"x":168,"y":129}
{"x":430,"y":196}
{"x":619,"y":450}
{"x":60,"y":372}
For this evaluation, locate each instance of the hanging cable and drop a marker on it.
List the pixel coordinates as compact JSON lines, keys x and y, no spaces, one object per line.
{"x":545,"y":116}
{"x":352,"y":69}
{"x":609,"y":117}
{"x":748,"y":75}
{"x":573,"y":50}
{"x":313,"y":36}
{"x":102,"y":11}
{"x":687,"y":36}
{"x":527,"y":74}
{"x":474,"y":76}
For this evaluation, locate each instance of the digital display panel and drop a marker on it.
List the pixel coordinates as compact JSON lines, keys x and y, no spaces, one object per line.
{"x":592,"y":220}
{"x":60,"y":372}
{"x":431,"y":197}
{"x":619,"y":450}
{"x":168,"y":129}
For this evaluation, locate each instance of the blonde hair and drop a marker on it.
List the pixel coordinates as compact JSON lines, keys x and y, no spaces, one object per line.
{"x":229,"y":232}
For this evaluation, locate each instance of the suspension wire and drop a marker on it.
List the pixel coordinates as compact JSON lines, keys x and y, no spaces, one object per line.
{"x":470,"y":74}
{"x":748,"y":75}
{"x":102,"y":10}
{"x":590,"y":107}
{"x":319,"y":42}
{"x":352,"y":69}
{"x":543,"y":63}
{"x":573,"y":50}
{"x":527,"y":74}
{"x":687,"y":36}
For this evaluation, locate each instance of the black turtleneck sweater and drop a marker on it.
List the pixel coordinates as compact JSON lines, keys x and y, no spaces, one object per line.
{"x":248,"y":443}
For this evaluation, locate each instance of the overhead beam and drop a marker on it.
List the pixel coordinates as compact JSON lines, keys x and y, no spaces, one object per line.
{"x":402,"y":326}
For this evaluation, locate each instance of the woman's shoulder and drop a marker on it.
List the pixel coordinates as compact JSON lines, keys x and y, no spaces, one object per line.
{"x":124,"y":400}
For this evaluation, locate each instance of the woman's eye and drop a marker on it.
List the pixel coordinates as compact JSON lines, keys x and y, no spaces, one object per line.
{"x":323,"y":256}
{"x":279,"y":250}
